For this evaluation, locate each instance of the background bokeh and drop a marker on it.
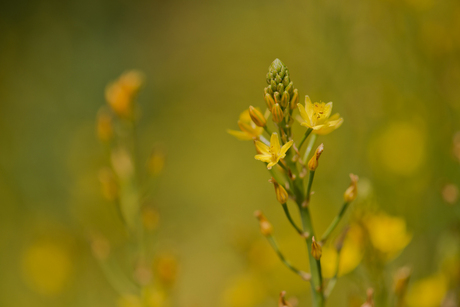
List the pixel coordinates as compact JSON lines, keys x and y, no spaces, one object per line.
{"x":392,"y":69}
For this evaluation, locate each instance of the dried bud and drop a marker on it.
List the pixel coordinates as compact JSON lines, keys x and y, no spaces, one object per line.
{"x":257,"y":117}
{"x":277,"y":113}
{"x":316,"y":249}
{"x":295,"y":99}
{"x":352,"y":191}
{"x":370,"y":298}
{"x":281,"y":194}
{"x":265,"y":227}
{"x":401,"y":281}
{"x":282,"y":301}
{"x":269,"y":100}
{"x":313,"y":163}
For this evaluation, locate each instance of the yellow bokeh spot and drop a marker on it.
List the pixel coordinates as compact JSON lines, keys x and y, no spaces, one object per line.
{"x":47,"y":267}
{"x":350,"y":255}
{"x":388,"y":234}
{"x":400,"y":149}
{"x":244,"y":291}
{"x":427,"y":292}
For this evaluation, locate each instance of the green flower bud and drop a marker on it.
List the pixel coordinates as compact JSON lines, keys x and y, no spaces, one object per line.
{"x":277,"y":97}
{"x":286,"y":81}
{"x":295,"y":99}
{"x":269,"y":100}
{"x":285,"y":99}
{"x":277,"y":113}
{"x":280,"y":88}
{"x":290,"y":88}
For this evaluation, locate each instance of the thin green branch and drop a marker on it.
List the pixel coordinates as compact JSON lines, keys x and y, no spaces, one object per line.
{"x":288,"y":215}
{"x":335,"y":222}
{"x":310,"y":145}
{"x":274,"y":245}
{"x":310,"y":182}
{"x":307,"y":133}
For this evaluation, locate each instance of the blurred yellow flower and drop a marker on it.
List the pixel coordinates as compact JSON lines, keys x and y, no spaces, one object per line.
{"x":274,"y":153}
{"x":317,"y":117}
{"x":387,"y":234}
{"x":249,"y":130}
{"x":47,"y":267}
{"x":244,"y":291}
{"x":350,"y":256}
{"x":120,"y":94}
{"x":427,"y":292}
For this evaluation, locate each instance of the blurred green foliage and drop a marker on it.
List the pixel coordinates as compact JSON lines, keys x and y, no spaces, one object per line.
{"x":392,"y":69}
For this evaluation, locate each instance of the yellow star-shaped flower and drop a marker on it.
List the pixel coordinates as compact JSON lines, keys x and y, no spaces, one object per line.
{"x":274,"y":153}
{"x":249,"y":130}
{"x":317,"y":116}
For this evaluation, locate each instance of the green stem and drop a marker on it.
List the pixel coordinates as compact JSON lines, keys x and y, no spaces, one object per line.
{"x":335,"y":222}
{"x":275,"y":247}
{"x":288,"y":215}
{"x":315,"y":265}
{"x":267,"y":130}
{"x":310,"y":183}
{"x":307,"y":133}
{"x":310,"y":145}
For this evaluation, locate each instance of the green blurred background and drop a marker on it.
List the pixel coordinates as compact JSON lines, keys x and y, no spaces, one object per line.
{"x":392,"y":69}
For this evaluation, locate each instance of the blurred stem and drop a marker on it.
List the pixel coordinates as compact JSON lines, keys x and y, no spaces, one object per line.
{"x":335,"y":222}
{"x":275,"y":247}
{"x":333,"y":281}
{"x":289,"y":217}
{"x":267,"y":130}
{"x":310,"y":182}
{"x":307,"y":133}
{"x":310,"y":145}
{"x":116,"y":278}
{"x":315,"y":265}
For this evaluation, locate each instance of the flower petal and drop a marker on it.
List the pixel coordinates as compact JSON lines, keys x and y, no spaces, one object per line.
{"x":285,"y":148}
{"x":243,"y":136}
{"x":304,"y":115}
{"x":275,"y":142}
{"x":262,"y":148}
{"x":327,"y":109}
{"x":263,"y":158}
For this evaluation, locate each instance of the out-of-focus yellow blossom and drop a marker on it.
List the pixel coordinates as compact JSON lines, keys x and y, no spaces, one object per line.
{"x":427,"y":292}
{"x":401,"y":149}
{"x":387,"y":234}
{"x":120,"y":95}
{"x":166,"y":269}
{"x":47,"y":267}
{"x":154,"y":297}
{"x":274,"y":153}
{"x":244,"y":291}
{"x":130,"y":300}
{"x":317,"y":116}
{"x":150,"y":218}
{"x":249,"y":130}
{"x":351,"y":254}
{"x":104,"y":126}
{"x":156,"y":162}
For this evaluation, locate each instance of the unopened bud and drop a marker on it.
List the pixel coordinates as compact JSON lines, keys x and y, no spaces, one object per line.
{"x":285,"y":99}
{"x":269,"y":100}
{"x":401,"y":281}
{"x":281,"y":193}
{"x":277,"y":113}
{"x":104,"y":125}
{"x":282,"y":301}
{"x":257,"y":117}
{"x":352,"y":191}
{"x":290,"y":88}
{"x":313,"y":163}
{"x":295,"y":99}
{"x":265,"y":227}
{"x":277,"y":97}
{"x":316,"y":249}
{"x":370,"y":298}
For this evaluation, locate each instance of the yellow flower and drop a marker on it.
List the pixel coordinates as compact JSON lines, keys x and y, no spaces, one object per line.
{"x":249,"y":130}
{"x":428,"y":292}
{"x":387,"y":234}
{"x":274,"y":153}
{"x":317,"y":116}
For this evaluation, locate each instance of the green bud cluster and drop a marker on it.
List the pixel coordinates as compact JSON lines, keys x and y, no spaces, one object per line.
{"x":280,"y":88}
